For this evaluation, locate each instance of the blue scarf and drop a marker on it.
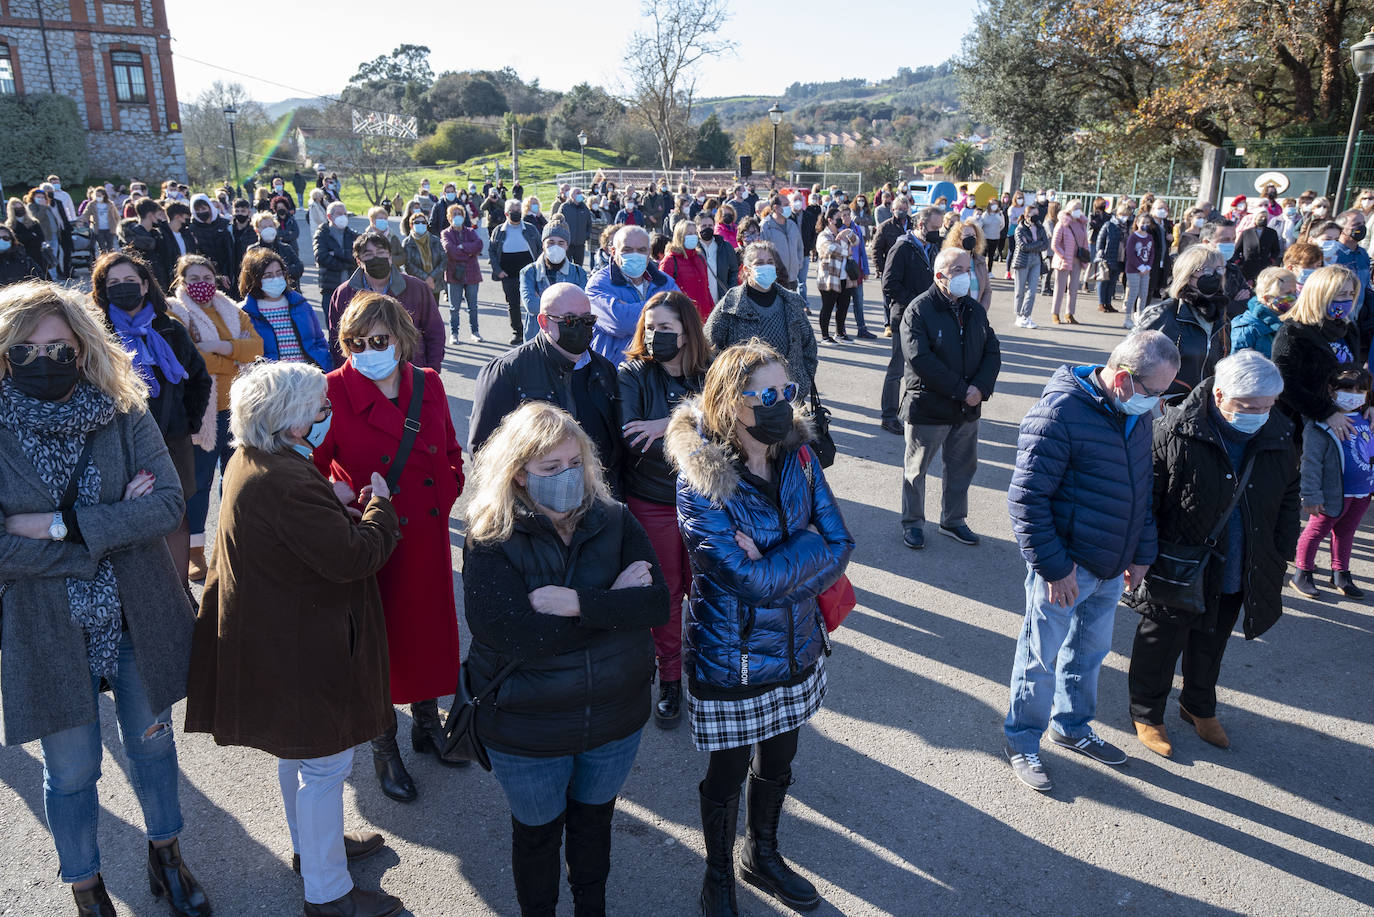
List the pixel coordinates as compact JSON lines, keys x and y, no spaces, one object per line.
{"x":149,"y":348}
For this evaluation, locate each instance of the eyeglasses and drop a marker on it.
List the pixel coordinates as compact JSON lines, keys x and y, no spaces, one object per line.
{"x":770,"y":396}
{"x":376,"y":342}
{"x":24,"y":354}
{"x":573,"y":321}
{"x":1139,"y":383}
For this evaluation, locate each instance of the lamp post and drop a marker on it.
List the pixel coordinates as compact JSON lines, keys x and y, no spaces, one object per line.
{"x":231,"y":114}
{"x":1362,"y":59}
{"x":774,"y":115}
{"x":582,"y":142}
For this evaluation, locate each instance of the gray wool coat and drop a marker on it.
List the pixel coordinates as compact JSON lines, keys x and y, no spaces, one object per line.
{"x":735,"y":319}
{"x":45,"y":680}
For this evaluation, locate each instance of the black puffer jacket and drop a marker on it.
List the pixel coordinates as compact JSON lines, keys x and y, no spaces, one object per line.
{"x":581,"y":682}
{"x":1195,"y":482}
{"x":647,"y":392}
{"x":949,"y":345}
{"x":1199,"y":348}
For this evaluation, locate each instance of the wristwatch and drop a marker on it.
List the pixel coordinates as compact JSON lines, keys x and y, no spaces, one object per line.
{"x":58,"y":530}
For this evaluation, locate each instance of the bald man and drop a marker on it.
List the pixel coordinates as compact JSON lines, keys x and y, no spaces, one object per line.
{"x":619,"y":291}
{"x":557,"y":366}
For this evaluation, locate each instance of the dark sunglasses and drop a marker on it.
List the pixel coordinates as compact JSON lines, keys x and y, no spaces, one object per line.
{"x":24,"y":354}
{"x":376,"y":342}
{"x":771,"y":396}
{"x":572,"y":321}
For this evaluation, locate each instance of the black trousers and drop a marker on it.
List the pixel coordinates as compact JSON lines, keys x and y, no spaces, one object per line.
{"x":891,"y":396}
{"x":1155,"y":655}
{"x":577,"y":253}
{"x":511,"y":266}
{"x":838,"y":302}
{"x":727,"y":768}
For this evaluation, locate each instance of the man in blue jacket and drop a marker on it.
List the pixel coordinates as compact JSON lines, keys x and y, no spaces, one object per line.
{"x":1080,"y":503}
{"x":619,"y":291}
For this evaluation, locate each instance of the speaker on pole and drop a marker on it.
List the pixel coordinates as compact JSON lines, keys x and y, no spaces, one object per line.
{"x":746,"y":166}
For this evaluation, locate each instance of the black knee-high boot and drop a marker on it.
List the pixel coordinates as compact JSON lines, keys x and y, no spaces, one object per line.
{"x":588,"y":854}
{"x":534,"y":865}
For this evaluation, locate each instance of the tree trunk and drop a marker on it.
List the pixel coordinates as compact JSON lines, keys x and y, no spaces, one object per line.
{"x":1303,"y":96}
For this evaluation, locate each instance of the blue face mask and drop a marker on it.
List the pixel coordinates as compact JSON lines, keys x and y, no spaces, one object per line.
{"x":1341,"y":308}
{"x":765,"y":275}
{"x":318,"y":431}
{"x":633,"y":264}
{"x":1227,"y":249}
{"x":272,"y":287}
{"x":5,"y":245}
{"x":375,"y":364}
{"x":1248,"y":423}
{"x":1303,"y":274}
{"x":1330,"y":249}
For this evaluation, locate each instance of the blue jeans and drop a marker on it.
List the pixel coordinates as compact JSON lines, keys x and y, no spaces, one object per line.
{"x":456,"y":292}
{"x":312,"y":792}
{"x":198,"y":507}
{"x":538,"y":789}
{"x":1058,"y":655}
{"x":856,"y":309}
{"x":71,"y":768}
{"x":1025,"y":282}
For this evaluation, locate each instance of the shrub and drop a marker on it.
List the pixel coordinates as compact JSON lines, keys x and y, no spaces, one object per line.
{"x":40,"y":135}
{"x":456,"y":141}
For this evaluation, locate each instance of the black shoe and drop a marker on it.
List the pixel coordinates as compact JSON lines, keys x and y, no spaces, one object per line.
{"x":719,"y":823}
{"x":914,"y":537}
{"x":668,"y":711}
{"x":169,"y":878}
{"x":1092,"y":745}
{"x":762,"y":866}
{"x":358,"y":845}
{"x":534,"y":865}
{"x":1340,"y":579}
{"x":827,"y":339}
{"x":517,"y":339}
{"x":427,"y":734}
{"x":395,"y":780}
{"x":360,"y":902}
{"x":94,"y":901}
{"x":588,"y":854}
{"x":867,"y":336}
{"x":960,"y":533}
{"x":1302,"y":582}
{"x":894,"y":427}
{"x":841,"y":336}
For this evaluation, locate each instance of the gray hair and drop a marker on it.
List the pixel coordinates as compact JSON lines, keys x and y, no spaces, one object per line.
{"x":1247,"y":374}
{"x":923,"y":217}
{"x":1343,"y":220}
{"x":947,"y":257}
{"x":512,"y":205}
{"x":270,"y":400}
{"x":1209,"y":230}
{"x":752,"y":250}
{"x":1142,"y":352}
{"x":336,"y":205}
{"x":1194,"y":259}
{"x":623,"y":234}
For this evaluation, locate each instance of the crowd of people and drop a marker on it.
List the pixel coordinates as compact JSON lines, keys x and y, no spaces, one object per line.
{"x":647,"y":499}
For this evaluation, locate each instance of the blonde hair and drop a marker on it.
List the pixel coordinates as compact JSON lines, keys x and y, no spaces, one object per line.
{"x":676,"y":246}
{"x":369,"y":308}
{"x":1325,"y":284}
{"x":726,"y":380}
{"x":1270,"y":279}
{"x":956,"y":240}
{"x":261,"y":218}
{"x":534,"y":429}
{"x":1196,"y":258}
{"x":376,"y":213}
{"x":104,"y":364}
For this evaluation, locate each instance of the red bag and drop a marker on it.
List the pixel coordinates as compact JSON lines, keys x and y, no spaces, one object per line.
{"x":839,"y":600}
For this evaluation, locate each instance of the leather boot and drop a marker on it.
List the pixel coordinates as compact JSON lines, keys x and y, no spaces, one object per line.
{"x":719,"y":823}
{"x":534,"y":865}
{"x":1155,"y":738}
{"x":169,"y":878}
{"x":391,"y":770}
{"x":427,"y":733}
{"x":1208,"y":728}
{"x":197,"y":566}
{"x":94,"y":901}
{"x":358,"y":845}
{"x":1340,"y":579}
{"x":1302,"y":582}
{"x":588,"y":853}
{"x":360,"y":902}
{"x":762,"y":865}
{"x":668,"y":711}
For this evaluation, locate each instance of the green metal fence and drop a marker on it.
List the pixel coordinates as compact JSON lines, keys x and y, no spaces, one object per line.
{"x":1308,"y":153}
{"x":1173,"y":178}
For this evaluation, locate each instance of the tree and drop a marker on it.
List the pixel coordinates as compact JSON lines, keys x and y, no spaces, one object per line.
{"x":481,"y":97}
{"x":963,"y":161}
{"x":757,"y":142}
{"x":584,"y":108}
{"x":205,"y":132}
{"x":714,"y":146}
{"x":457,"y":140}
{"x":406,"y":64}
{"x":661,"y":64}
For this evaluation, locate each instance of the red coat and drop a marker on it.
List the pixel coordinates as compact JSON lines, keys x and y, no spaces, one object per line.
{"x":417,"y":581}
{"x":692,"y":278}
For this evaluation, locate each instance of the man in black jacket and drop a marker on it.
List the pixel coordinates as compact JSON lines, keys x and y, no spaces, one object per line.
{"x":138,"y":236}
{"x":1258,"y":248}
{"x":886,"y":236}
{"x":173,"y":241}
{"x":952,"y":362}
{"x":909,"y":272}
{"x":333,"y":247}
{"x":558,"y":366}
{"x":242,"y":236}
{"x":212,"y":238}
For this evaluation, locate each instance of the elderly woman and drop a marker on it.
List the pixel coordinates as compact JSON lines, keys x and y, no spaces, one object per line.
{"x":425,"y":260}
{"x":1069,"y":244}
{"x":462,"y":272}
{"x":1318,"y":336}
{"x":88,"y":493}
{"x":561,"y":589}
{"x":1224,"y":435}
{"x":760,"y":307}
{"x":1193,"y":317}
{"x":684,"y":262}
{"x":289,"y":654}
{"x":765,"y":537}
{"x":968,"y":235}
{"x":377,"y":394}
{"x":1276,"y":290}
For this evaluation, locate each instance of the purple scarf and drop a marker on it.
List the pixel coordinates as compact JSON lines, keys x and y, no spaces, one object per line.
{"x":149,"y":348}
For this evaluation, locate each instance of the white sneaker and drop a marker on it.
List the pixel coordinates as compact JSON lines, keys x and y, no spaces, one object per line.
{"x":1128,"y":323}
{"x":1029,"y":323}
{"x":1020,"y":321}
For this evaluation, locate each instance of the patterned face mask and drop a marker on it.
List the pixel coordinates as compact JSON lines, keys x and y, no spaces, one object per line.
{"x":559,"y":492}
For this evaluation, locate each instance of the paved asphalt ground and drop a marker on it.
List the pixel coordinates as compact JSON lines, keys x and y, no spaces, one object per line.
{"x":903,"y":804}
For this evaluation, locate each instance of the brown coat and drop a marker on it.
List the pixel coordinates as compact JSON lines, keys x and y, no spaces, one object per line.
{"x":290,"y":654}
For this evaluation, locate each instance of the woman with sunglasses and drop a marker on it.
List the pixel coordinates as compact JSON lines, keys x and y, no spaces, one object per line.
{"x":88,"y":493}
{"x":136,"y":313}
{"x":765,"y":537}
{"x":371,"y":396}
{"x":1193,"y":317}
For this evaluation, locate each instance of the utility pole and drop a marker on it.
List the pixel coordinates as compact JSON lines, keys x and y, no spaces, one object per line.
{"x":514,"y":152}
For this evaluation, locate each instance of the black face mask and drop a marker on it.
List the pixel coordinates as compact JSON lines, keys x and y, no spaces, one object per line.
{"x":44,"y":378}
{"x":772,"y":423}
{"x":933,"y":237}
{"x":969,"y":243}
{"x":1333,"y":329}
{"x":1357,"y":234}
{"x":574,"y":339}
{"x":1209,"y":284}
{"x":707,"y":233}
{"x":662,"y":344}
{"x":377,"y":268}
{"x":513,"y":216}
{"x":241,"y":218}
{"x":125,"y":296}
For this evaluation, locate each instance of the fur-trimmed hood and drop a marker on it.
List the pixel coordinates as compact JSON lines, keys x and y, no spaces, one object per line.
{"x":708,"y":465}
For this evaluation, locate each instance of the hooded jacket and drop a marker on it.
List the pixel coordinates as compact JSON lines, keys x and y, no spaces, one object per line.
{"x":616,"y":303}
{"x":212,"y":237}
{"x":753,"y":623}
{"x":1254,"y":329}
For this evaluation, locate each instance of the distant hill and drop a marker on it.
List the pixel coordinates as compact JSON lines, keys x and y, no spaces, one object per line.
{"x":276,"y":109}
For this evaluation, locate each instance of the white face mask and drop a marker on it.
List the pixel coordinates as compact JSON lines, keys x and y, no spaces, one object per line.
{"x":959,"y":285}
{"x":555,"y":254}
{"x":341,"y":221}
{"x":268,"y":234}
{"x":1350,"y":401}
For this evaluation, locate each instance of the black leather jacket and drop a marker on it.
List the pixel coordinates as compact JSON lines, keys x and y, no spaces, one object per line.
{"x":647,"y":392}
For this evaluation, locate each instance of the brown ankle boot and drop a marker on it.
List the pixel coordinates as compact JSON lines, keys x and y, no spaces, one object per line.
{"x":198,"y":568}
{"x":1208,"y":728}
{"x":1154,"y":738}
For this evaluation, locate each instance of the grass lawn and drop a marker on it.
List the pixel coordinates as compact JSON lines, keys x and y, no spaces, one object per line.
{"x":537,"y":171}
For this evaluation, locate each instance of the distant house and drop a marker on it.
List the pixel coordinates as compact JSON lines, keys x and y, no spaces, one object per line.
{"x":941,"y":144}
{"x":932,"y":173}
{"x":825,"y":142}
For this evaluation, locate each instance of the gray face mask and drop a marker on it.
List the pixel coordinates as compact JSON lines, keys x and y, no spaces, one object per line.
{"x":559,"y":492}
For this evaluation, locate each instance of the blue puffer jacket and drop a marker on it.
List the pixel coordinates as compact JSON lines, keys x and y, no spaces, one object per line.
{"x":303,"y":321}
{"x":1254,"y":329}
{"x":1082,"y":489}
{"x":754,"y":622}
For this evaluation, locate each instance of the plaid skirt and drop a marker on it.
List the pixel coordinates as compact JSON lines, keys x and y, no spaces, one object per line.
{"x":722,"y":724}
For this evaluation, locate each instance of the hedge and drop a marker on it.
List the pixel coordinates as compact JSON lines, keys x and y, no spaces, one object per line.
{"x":40,"y":135}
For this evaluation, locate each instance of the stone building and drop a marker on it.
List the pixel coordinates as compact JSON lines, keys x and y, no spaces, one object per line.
{"x":114,"y":58}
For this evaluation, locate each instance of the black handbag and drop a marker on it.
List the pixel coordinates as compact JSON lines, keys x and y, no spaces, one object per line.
{"x":460,"y":732}
{"x":824,"y":444}
{"x":1083,"y":254}
{"x":1176,"y":580}
{"x":851,"y":269}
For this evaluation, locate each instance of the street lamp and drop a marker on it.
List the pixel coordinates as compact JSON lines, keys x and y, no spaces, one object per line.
{"x":231,"y":114}
{"x":1362,"y":59}
{"x":774,"y":115}
{"x":582,"y":141}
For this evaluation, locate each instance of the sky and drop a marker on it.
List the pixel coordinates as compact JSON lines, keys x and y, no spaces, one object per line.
{"x":315,"y":49}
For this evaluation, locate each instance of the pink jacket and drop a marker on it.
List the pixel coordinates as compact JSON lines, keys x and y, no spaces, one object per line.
{"x":1069,"y":236}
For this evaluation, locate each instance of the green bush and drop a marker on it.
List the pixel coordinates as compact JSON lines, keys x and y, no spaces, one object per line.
{"x":456,"y":141}
{"x":41,"y":135}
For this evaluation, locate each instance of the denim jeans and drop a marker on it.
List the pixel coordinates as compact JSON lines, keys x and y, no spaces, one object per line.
{"x":312,"y":791}
{"x":1106,"y":289}
{"x":1025,"y":281}
{"x":71,"y":769}
{"x":538,"y":789}
{"x":856,"y":309}
{"x":802,"y":277}
{"x":456,"y":292}
{"x":1058,"y":656}
{"x":198,"y":507}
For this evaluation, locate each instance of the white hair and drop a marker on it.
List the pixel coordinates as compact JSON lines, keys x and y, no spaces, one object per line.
{"x":335,"y":205}
{"x":512,"y":205}
{"x":270,"y":400}
{"x":1247,"y":374}
{"x":947,"y":257}
{"x":624,"y":233}
{"x":1142,"y":352}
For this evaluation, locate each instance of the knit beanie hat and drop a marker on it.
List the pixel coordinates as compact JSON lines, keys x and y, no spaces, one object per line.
{"x":557,"y":228}
{"x":1238,"y":199}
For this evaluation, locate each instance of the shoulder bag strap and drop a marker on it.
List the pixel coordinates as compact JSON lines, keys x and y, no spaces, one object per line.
{"x":412,"y":428}
{"x":495,"y":683}
{"x":1231,"y":507}
{"x":69,"y":497}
